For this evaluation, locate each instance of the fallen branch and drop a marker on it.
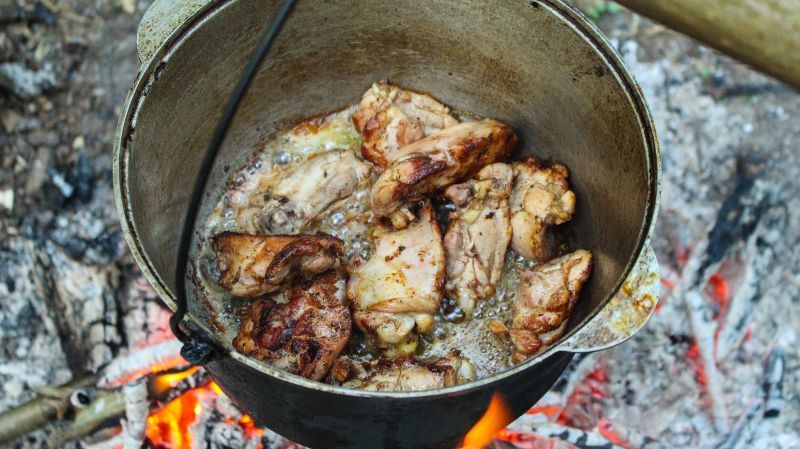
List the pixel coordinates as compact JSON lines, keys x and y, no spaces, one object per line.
{"x":110,"y":405}
{"x":79,"y":408}
{"x":107,"y":406}
{"x":50,"y":404}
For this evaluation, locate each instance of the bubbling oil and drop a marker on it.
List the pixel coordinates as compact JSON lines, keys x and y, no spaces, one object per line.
{"x":350,"y":220}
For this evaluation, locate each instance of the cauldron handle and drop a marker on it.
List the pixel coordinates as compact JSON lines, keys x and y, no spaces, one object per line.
{"x":625,"y":313}
{"x":163,"y":19}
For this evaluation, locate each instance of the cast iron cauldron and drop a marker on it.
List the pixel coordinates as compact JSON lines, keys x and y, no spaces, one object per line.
{"x":539,"y":66}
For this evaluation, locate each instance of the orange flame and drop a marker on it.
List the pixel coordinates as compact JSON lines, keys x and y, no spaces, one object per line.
{"x":169,"y":427}
{"x":165,"y":382}
{"x":215,"y":388}
{"x":496,"y":417}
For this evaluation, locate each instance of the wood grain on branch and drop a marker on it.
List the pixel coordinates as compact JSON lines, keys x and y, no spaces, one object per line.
{"x":49,"y":405}
{"x":762,"y":33}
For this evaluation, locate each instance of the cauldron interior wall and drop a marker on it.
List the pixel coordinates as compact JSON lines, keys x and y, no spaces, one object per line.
{"x":513,"y":61}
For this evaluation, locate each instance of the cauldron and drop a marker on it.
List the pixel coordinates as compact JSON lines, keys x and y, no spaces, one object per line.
{"x":538,"y":65}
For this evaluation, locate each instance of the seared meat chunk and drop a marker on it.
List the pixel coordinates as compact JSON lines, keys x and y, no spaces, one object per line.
{"x":407,"y":373}
{"x":540,"y":198}
{"x":544,"y":301}
{"x":301,"y":194}
{"x":398,"y":290}
{"x":389,"y":117}
{"x":441,"y":159}
{"x":303,"y":336}
{"x":252,"y":265}
{"x":477,"y":238}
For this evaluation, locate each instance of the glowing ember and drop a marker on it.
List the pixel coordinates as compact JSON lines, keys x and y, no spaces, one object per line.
{"x":606,"y":428}
{"x":496,"y":417}
{"x":719,"y":290}
{"x":693,"y":354}
{"x":525,"y":440}
{"x":551,"y":411}
{"x":584,"y":404}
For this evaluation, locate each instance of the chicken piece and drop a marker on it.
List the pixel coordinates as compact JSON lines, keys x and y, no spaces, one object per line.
{"x":303,"y":336}
{"x":407,"y":373}
{"x":252,"y":265}
{"x":432,"y":115}
{"x":389,"y":117}
{"x":441,"y":159}
{"x":544,"y":301}
{"x":398,"y":290}
{"x":308,"y":189}
{"x":477,"y":237}
{"x":540,"y":198}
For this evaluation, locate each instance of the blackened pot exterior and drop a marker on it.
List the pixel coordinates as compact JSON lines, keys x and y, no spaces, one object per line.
{"x":537,"y":65}
{"x":321,"y":419}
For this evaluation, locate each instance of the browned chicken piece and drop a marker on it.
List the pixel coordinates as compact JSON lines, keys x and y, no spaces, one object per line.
{"x":397,"y":291}
{"x":540,"y":199}
{"x":308,"y":189}
{"x":303,"y":336}
{"x":477,"y":237}
{"x":544,"y":301}
{"x":433,"y":163}
{"x":252,"y":265}
{"x":407,"y":373}
{"x":389,"y":117}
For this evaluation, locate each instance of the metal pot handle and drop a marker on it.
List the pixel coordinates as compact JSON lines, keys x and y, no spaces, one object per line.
{"x":160,"y":20}
{"x":625,"y":313}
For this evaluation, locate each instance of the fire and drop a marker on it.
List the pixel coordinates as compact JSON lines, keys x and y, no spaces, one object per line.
{"x":170,"y":426}
{"x":168,"y":364}
{"x":215,"y":388}
{"x":165,"y":382}
{"x":496,"y":417}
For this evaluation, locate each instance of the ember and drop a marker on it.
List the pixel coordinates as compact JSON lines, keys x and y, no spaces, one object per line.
{"x":693,"y":354}
{"x":719,"y":290}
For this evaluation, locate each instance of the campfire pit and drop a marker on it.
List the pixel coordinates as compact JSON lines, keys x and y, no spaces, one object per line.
{"x":728,"y":309}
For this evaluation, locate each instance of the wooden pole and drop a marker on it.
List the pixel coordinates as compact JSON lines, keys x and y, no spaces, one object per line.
{"x":48,"y":406}
{"x":762,"y":33}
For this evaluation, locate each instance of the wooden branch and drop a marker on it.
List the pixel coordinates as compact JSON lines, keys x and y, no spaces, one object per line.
{"x":106,"y":406}
{"x":110,"y":405}
{"x":762,"y":33}
{"x":136,"y":399}
{"x":49,"y":405}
